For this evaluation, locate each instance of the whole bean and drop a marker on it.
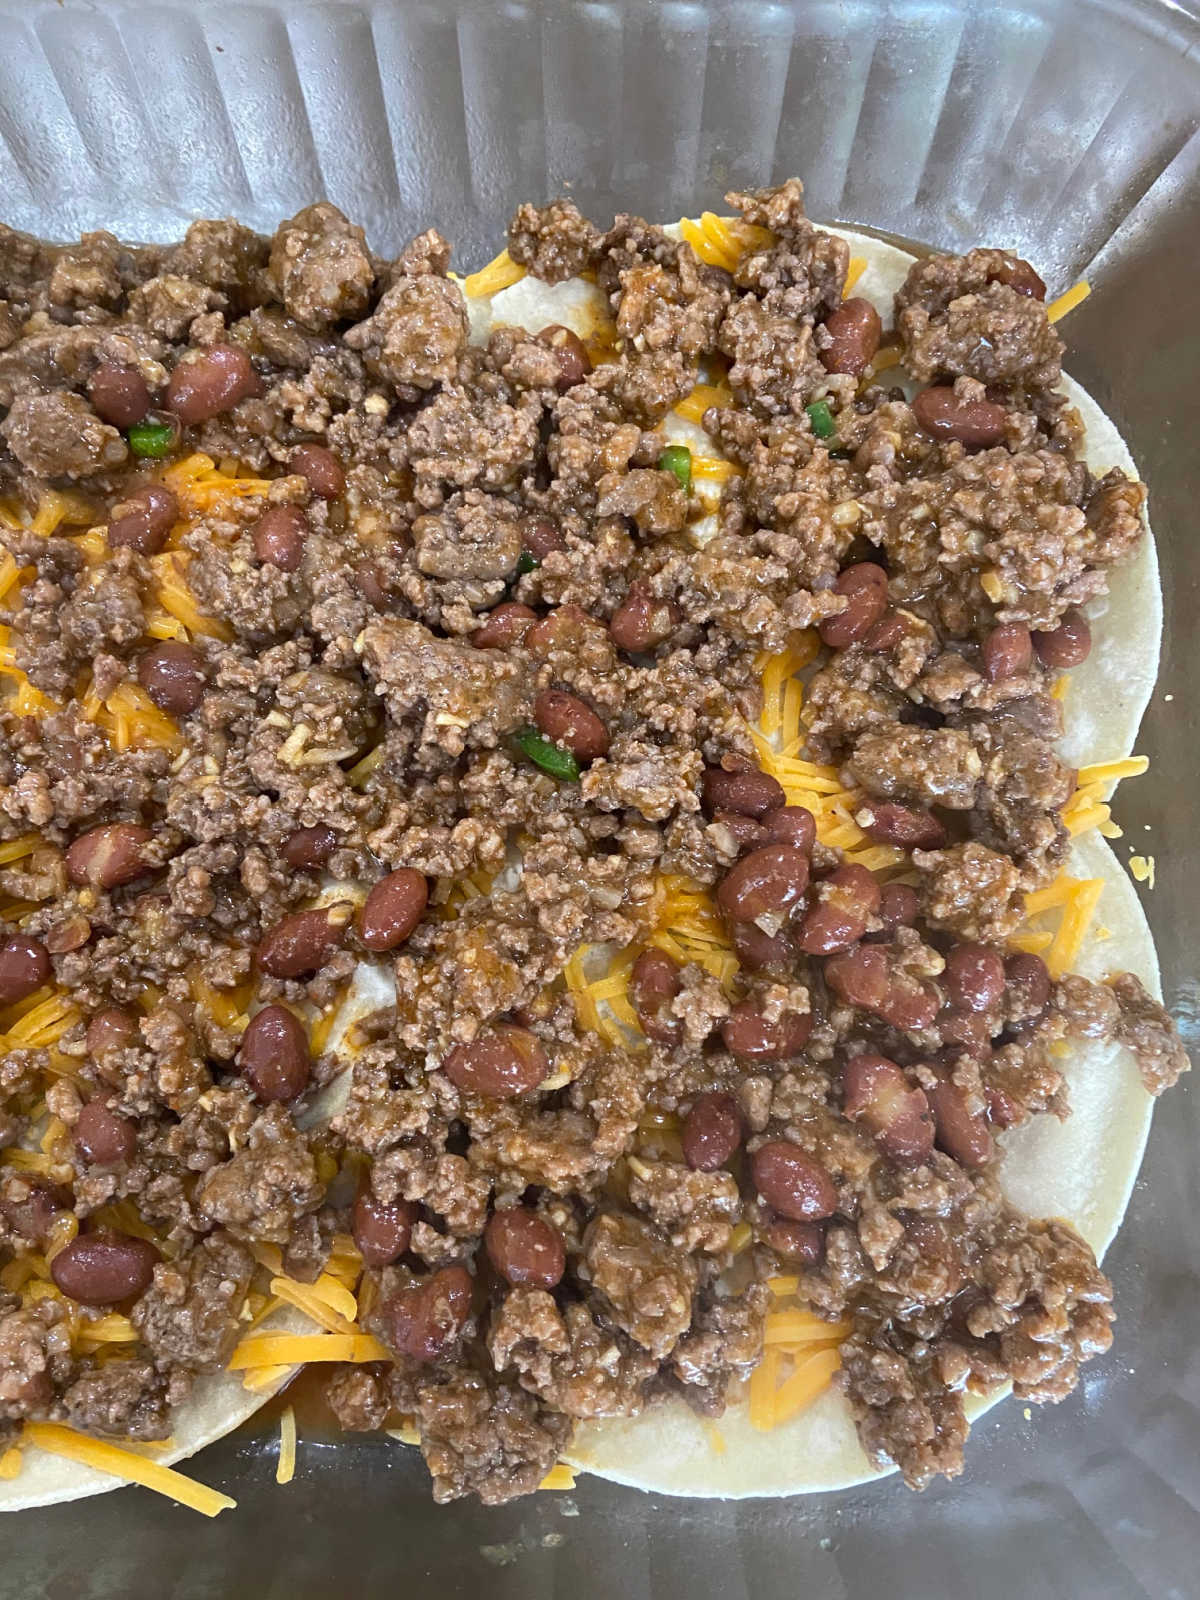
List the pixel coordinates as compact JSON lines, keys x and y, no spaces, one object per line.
{"x":640,"y":622}
{"x":899,"y":906}
{"x":382,"y":1232}
{"x":563,"y":630}
{"x":24,"y":967}
{"x":751,"y":794}
{"x":102,"y":1136}
{"x":855,"y":331}
{"x":393,"y":909}
{"x":886,"y":633}
{"x":103,"y":1269}
{"x":574,"y":363}
{"x":309,"y":848}
{"x":1019,"y":275}
{"x":766,"y":883}
{"x":321,"y":468}
{"x":540,"y":537}
{"x":1007,"y":651}
{"x":301,"y":943}
{"x":838,"y":916}
{"x":974,"y":977}
{"x":974,"y":423}
{"x":749,"y":1035}
{"x":502,"y":1063}
{"x":424,"y":1318}
{"x":279,"y":536}
{"x":879,"y":1095}
{"x":524,"y":1248}
{"x":906,"y":826}
{"x":908,"y":1005}
{"x":504,"y":626}
{"x":118,"y":394}
{"x":860,"y":975}
{"x":110,"y":1029}
{"x":970,"y":1029}
{"x":274,"y":1057}
{"x":865,"y":587}
{"x":31,"y":1207}
{"x":653,"y":984}
{"x":568,"y":721}
{"x":207,"y":382}
{"x":961,"y":1133}
{"x":792,"y":825}
{"x":369,"y":577}
{"x":801,"y":1242}
{"x":172,"y":674}
{"x":108,"y":856}
{"x":1068,"y":645}
{"x":144,"y":519}
{"x":712,"y":1131}
{"x":773,"y":953}
{"x":791,"y":1182}
{"x":72,"y":933}
{"x":1028,"y":982}
{"x":744,"y":832}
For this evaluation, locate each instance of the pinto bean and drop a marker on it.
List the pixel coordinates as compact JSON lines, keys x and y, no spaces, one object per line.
{"x":208,"y":382}
{"x":751,"y":793}
{"x":712,"y":1131}
{"x":279,"y":536}
{"x":653,"y":984}
{"x":172,"y":674}
{"x":793,"y":825}
{"x":1068,"y":645}
{"x":382,"y":1232}
{"x":974,"y":977}
{"x":855,"y":330}
{"x":886,"y":633}
{"x":773,"y":953}
{"x":640,"y":622}
{"x":574,"y":363}
{"x":108,"y":856}
{"x":32,"y":1207}
{"x":502,"y":1063}
{"x":504,"y":626}
{"x":906,"y":826}
{"x":103,"y":1269}
{"x":1007,"y":651}
{"x":274,"y":1056}
{"x":103,"y":1137}
{"x":320,"y":468}
{"x":974,"y":423}
{"x":879,"y":1095}
{"x":567,"y":720}
{"x":899,"y":906}
{"x":393,"y":909}
{"x":859,"y":975}
{"x":144,"y":519}
{"x":24,"y":967}
{"x":540,"y":537}
{"x":865,"y":587}
{"x":838,"y":916}
{"x":1019,"y":275}
{"x":750,"y":1036}
{"x":961,"y":1132}
{"x":970,"y":1029}
{"x":525,"y":1248}
{"x":792,"y":1182}
{"x":801,"y":1242}
{"x":119,"y":394}
{"x":301,"y":943}
{"x":908,"y":1005}
{"x":309,"y":848}
{"x":766,"y":883}
{"x":110,"y":1029}
{"x":425,"y":1318}
{"x":1028,"y":979}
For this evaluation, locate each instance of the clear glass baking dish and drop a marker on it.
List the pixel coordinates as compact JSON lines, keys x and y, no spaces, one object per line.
{"x":1067,"y":131}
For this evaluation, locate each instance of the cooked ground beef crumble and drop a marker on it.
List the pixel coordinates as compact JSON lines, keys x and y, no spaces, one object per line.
{"x":464,"y":630}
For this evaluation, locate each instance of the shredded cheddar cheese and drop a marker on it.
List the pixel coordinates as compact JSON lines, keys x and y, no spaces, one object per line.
{"x":703,"y":396}
{"x":858,"y":265}
{"x":127,"y":1464}
{"x":1075,"y":296}
{"x":813,"y":1374}
{"x":1142,"y":868}
{"x":500,"y":273}
{"x":560,"y":1476}
{"x":294,"y":1349}
{"x":285,"y":1469}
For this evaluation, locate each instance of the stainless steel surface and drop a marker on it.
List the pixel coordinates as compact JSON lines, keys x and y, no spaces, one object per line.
{"x":1067,"y":130}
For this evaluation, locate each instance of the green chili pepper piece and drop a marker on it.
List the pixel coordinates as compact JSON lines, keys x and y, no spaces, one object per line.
{"x":677,"y":458}
{"x":527,"y":562}
{"x":821,"y":418}
{"x":153,"y":439}
{"x":544,"y":753}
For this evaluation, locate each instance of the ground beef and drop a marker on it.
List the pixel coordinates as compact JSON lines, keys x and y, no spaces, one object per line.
{"x":58,"y":435}
{"x":958,"y":315}
{"x":123,"y":1400}
{"x":1147,"y":1030}
{"x":320,"y":268}
{"x":190,"y":1314}
{"x":555,"y":242}
{"x":415,"y":334}
{"x":260,"y":1192}
{"x":494,"y":1441}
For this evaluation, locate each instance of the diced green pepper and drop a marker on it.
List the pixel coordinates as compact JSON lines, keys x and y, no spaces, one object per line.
{"x":153,"y":439}
{"x":544,"y":753}
{"x":821,"y":418}
{"x":527,"y":562}
{"x":677,"y":458}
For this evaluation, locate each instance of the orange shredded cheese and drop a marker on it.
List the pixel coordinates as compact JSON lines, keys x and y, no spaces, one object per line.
{"x":126,"y":1464}
{"x":285,"y":1469}
{"x":1077,"y":914}
{"x":328,"y":1302}
{"x":294,"y":1349}
{"x":177,"y":600}
{"x":11,"y":1462}
{"x":1142,"y":868}
{"x":1074,"y":296}
{"x":858,"y":265}
{"x":500,"y":273}
{"x":764,"y":1381}
{"x":703,"y":396}
{"x":796,"y":1327}
{"x":712,"y":469}
{"x":560,"y":1476}
{"x":812,"y":1375}
{"x":17,"y":849}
